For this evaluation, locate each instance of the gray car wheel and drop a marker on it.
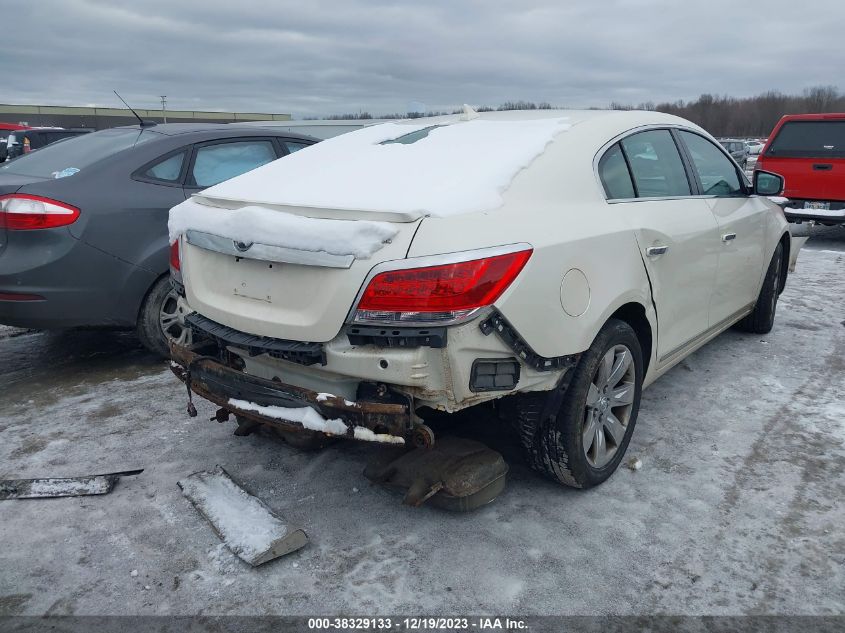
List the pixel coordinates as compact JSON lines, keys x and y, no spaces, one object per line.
{"x":160,"y":319}
{"x":581,"y":441}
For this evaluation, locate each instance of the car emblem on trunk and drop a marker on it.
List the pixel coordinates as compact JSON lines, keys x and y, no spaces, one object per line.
{"x":242,"y":246}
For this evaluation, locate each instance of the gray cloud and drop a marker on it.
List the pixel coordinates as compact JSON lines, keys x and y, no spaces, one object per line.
{"x":321,"y":57}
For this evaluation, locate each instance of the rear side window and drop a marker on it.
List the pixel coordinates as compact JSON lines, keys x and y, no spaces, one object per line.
{"x":168,"y":169}
{"x":716,"y":172}
{"x":809,"y":139}
{"x":294,"y":146}
{"x":614,"y":174}
{"x":656,"y":165}
{"x":216,"y":163}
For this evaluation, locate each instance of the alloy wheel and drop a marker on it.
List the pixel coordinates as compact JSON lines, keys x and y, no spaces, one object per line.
{"x":610,"y":401}
{"x":170,"y":319}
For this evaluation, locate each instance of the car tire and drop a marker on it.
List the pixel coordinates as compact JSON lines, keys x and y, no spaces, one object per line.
{"x":159,"y":319}
{"x":762,"y":318}
{"x":563,"y":442}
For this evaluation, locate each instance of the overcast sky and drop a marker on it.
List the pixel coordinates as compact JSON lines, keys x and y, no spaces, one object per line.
{"x":320,"y":57}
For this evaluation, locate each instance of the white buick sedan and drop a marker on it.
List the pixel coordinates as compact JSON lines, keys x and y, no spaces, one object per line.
{"x":555,"y":262}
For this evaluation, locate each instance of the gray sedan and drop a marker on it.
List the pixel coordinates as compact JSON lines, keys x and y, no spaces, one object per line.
{"x":83,"y":223}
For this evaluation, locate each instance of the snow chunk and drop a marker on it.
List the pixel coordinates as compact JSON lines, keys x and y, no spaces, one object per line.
{"x":456,"y":167}
{"x":311,"y":419}
{"x":306,"y":416}
{"x":365,"y":434}
{"x":322,"y":397}
{"x":635,"y":463}
{"x":245,"y":524}
{"x":253,"y":224}
{"x":826,"y":213}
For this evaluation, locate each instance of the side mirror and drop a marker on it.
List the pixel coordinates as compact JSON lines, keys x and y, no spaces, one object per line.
{"x":768,"y":184}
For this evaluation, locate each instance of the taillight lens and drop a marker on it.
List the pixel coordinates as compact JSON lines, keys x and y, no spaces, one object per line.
{"x":441,"y":293}
{"x":23,"y":212}
{"x":175,"y":257}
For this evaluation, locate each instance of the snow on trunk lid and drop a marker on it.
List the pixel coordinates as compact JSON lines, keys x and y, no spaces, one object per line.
{"x":436,"y":167}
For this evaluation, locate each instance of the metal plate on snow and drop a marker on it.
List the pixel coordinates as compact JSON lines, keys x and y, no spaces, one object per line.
{"x":61,"y":486}
{"x":244,"y":523}
{"x":454,"y":474}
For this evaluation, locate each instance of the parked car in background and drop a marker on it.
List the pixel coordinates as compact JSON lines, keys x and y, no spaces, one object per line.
{"x":5,"y":130}
{"x":808,"y":150}
{"x":754,"y":149}
{"x":433,"y":271}
{"x":25,"y":141}
{"x":754,"y":146}
{"x":737,"y":149}
{"x":83,"y":222}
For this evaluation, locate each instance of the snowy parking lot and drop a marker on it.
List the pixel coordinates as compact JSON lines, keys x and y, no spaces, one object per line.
{"x":737,"y":507}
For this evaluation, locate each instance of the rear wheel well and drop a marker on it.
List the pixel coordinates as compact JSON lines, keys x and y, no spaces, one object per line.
{"x":634,"y":315}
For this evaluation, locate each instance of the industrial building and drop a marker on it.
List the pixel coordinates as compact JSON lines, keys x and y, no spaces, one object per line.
{"x":101,"y":118}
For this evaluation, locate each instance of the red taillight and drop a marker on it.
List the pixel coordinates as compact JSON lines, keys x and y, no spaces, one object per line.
{"x":446,"y":289}
{"x":175,"y":259}
{"x":23,"y":212}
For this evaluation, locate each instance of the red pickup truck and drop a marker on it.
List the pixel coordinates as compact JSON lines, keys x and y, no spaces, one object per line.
{"x":808,"y":150}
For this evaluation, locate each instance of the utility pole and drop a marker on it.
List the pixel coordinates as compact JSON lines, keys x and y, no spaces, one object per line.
{"x":164,"y":107}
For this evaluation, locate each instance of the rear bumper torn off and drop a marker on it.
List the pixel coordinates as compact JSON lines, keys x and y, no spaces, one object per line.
{"x":276,"y":404}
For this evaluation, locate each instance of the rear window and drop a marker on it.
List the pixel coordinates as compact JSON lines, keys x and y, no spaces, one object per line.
{"x":809,"y":139}
{"x":75,"y":154}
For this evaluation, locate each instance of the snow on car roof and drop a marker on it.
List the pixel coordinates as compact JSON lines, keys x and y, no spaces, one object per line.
{"x":438,"y":166}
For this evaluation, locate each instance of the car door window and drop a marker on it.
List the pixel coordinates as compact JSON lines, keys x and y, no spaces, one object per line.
{"x":656,"y":165}
{"x":215,"y":163}
{"x":614,"y":174}
{"x":294,"y":146}
{"x":168,"y":169}
{"x":717,"y":173}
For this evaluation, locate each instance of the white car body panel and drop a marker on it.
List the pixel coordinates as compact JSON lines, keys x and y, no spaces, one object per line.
{"x":557,"y":205}
{"x":279,"y":300}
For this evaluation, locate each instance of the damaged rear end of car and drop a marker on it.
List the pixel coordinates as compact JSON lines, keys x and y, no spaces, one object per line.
{"x":312,"y":317}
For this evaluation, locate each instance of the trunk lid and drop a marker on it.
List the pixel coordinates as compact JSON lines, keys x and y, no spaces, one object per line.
{"x":284,"y":293}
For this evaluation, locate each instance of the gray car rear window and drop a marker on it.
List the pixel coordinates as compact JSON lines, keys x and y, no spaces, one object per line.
{"x":75,"y":154}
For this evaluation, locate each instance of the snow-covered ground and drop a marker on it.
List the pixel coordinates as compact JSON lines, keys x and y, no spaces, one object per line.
{"x":737,"y":508}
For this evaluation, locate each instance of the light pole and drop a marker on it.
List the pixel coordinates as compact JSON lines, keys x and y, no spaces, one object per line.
{"x":164,"y":107}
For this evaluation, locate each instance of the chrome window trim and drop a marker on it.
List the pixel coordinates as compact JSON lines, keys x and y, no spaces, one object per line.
{"x":267,"y":252}
{"x":647,"y":128}
{"x":421,"y":262}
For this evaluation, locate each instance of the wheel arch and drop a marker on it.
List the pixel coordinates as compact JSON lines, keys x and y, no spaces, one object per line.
{"x":143,"y":299}
{"x":634,"y":314}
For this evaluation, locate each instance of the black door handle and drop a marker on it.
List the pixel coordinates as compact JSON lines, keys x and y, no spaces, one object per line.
{"x":822,"y":167}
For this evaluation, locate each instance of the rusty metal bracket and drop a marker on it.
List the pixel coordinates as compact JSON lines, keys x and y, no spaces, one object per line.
{"x":214,"y":381}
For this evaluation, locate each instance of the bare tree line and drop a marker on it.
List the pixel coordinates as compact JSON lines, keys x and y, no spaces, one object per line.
{"x":719,"y":115}
{"x":748,"y":116}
